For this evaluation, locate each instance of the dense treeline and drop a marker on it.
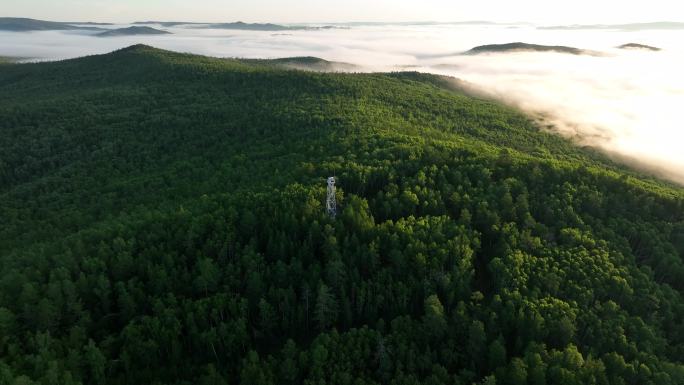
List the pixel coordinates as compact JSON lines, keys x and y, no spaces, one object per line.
{"x":163,"y":222}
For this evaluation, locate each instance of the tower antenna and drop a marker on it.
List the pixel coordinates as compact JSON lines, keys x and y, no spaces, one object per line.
{"x":330,"y":204}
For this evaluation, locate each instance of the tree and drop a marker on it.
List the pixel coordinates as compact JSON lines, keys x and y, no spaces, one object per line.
{"x":289,"y":370}
{"x":517,"y":372}
{"x":253,"y":371}
{"x":212,"y":377}
{"x":477,"y":342}
{"x":267,"y":317}
{"x":434,"y":316}
{"x":326,"y":307}
{"x":96,"y":362}
{"x":207,"y":275}
{"x":497,"y":354}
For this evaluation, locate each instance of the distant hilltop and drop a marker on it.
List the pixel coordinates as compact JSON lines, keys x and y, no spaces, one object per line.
{"x":525,"y":47}
{"x":639,"y":46}
{"x":132,"y":31}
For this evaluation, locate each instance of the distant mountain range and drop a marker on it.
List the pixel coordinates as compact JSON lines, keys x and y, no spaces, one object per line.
{"x":660,"y":25}
{"x":518,"y":46}
{"x":277,"y":27}
{"x":237,"y":26}
{"x":166,"y":23}
{"x":86,"y":23}
{"x":132,"y":31}
{"x":18,"y":24}
{"x":254,"y":26}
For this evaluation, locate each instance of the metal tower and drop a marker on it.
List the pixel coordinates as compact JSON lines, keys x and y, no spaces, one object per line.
{"x":330,"y":204}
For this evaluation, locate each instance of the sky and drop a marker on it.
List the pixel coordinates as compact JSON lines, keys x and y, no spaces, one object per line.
{"x":292,"y":11}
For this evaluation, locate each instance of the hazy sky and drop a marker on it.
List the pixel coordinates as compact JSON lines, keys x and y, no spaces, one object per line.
{"x":538,"y":11}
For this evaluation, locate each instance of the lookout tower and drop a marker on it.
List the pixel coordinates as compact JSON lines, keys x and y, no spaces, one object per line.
{"x":330,"y":204}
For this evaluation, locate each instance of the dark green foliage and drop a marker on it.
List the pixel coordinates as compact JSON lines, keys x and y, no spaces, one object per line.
{"x":163,"y":222}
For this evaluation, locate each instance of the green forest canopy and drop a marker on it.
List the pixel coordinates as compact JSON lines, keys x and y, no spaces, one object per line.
{"x":163,"y":222}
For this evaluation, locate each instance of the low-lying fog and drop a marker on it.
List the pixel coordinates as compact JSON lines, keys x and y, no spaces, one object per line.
{"x":628,"y":102}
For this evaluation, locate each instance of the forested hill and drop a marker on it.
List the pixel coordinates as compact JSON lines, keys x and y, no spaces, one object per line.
{"x":523,"y":47}
{"x":132,"y":31}
{"x":163,"y":222}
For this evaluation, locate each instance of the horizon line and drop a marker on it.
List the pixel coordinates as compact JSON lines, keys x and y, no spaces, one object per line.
{"x":409,"y":22}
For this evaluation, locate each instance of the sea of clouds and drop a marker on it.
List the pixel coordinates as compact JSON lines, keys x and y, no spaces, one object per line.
{"x":627,"y":102}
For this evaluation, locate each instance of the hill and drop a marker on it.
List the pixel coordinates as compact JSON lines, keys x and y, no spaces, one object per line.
{"x":525,"y":47}
{"x":17,"y":24}
{"x":639,"y":46}
{"x":164,"y":222}
{"x":132,"y":31}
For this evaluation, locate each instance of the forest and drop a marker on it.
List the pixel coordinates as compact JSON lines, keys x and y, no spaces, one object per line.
{"x":163,"y":222}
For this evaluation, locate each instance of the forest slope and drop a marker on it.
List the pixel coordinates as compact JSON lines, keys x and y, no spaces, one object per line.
{"x":163,"y":222}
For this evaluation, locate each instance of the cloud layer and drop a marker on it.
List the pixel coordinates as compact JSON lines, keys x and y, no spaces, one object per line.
{"x":626,"y":101}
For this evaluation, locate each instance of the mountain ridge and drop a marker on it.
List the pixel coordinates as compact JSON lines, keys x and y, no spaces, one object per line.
{"x":526,"y":47}
{"x":19,"y":24}
{"x":132,"y":31}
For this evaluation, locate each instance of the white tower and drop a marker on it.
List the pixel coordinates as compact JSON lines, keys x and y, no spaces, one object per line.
{"x":330,"y":204}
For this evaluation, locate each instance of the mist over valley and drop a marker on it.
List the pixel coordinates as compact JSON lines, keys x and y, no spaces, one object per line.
{"x":610,"y":92}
